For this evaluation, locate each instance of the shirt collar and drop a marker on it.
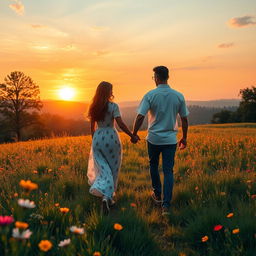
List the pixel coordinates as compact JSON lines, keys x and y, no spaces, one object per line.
{"x":163,"y":86}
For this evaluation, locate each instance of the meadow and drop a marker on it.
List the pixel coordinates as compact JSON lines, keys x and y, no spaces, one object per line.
{"x":213,"y":209}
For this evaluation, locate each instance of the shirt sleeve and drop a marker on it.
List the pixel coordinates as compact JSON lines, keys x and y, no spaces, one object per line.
{"x":183,"y":110}
{"x":116,"y":111}
{"x":144,"y":106}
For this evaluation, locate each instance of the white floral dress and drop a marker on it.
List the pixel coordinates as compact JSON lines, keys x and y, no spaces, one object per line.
{"x":105,"y":156}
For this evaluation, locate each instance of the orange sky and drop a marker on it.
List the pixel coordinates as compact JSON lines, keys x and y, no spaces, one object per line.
{"x":209,"y":46}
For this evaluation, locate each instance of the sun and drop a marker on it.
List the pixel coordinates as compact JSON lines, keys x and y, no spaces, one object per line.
{"x":66,"y":93}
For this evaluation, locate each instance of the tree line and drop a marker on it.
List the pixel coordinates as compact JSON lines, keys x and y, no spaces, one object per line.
{"x":245,"y":113}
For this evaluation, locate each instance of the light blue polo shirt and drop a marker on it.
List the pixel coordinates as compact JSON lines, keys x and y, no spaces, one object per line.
{"x":163,"y":105}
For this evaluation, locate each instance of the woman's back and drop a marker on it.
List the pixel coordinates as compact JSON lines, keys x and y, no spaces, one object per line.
{"x":111,"y":114}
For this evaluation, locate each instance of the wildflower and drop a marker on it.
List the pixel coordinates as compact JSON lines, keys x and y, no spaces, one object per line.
{"x":205,"y":238}
{"x":21,"y":235}
{"x":222,"y":193}
{"x":97,"y":254}
{"x":76,"y":230}
{"x":49,"y":170}
{"x":21,"y":225}
{"x":236,"y":231}
{"x":64,"y":210}
{"x":230,"y":215}
{"x":253,"y":196}
{"x":118,"y":227}
{"x":57,"y":204}
{"x":217,"y":227}
{"x":64,"y":243}
{"x":15,"y":195}
{"x":133,"y":205}
{"x":28,"y":185}
{"x":123,"y":209}
{"x":6,"y":220}
{"x":35,"y":172}
{"x":45,"y":245}
{"x":1,"y":169}
{"x":196,"y":188}
{"x":182,"y":254}
{"x":26,"y":203}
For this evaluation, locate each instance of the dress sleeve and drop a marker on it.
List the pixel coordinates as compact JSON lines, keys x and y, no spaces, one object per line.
{"x":144,"y":106}
{"x":116,"y":111}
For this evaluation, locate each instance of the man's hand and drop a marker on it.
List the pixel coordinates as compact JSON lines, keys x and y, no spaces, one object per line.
{"x":182,"y":143}
{"x":135,"y":139}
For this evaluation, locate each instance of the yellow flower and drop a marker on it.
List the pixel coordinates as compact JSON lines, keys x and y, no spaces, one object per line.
{"x":64,"y":210}
{"x":230,"y":215}
{"x":21,"y":225}
{"x":28,"y":185}
{"x":97,"y":254}
{"x":236,"y":231}
{"x":118,"y":227}
{"x":205,"y":238}
{"x":45,"y":245}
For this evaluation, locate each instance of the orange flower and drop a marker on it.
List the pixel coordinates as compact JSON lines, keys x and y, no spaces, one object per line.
{"x":230,"y":215}
{"x":205,"y":238}
{"x":28,"y":185}
{"x":118,"y":227}
{"x":182,"y":254}
{"x":133,"y":205}
{"x":21,"y":225}
{"x":222,"y":193}
{"x":64,"y":210}
{"x":15,"y":195}
{"x":253,"y":196}
{"x":35,"y":172}
{"x":45,"y":245}
{"x":57,"y":204}
{"x":236,"y":231}
{"x":97,"y":254}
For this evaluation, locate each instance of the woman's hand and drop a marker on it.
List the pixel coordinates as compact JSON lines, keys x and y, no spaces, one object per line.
{"x":135,"y":139}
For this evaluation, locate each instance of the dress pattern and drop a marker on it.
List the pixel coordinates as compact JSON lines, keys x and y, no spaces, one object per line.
{"x":105,"y":156}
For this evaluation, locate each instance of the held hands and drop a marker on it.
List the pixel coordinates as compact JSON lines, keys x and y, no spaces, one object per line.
{"x":135,"y":139}
{"x":182,"y":144}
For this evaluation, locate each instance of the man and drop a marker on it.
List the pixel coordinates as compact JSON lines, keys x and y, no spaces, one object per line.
{"x":163,"y":104}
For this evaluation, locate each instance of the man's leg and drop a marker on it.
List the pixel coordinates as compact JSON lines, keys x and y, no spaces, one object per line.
{"x":153,"y":153}
{"x":168,"y":154}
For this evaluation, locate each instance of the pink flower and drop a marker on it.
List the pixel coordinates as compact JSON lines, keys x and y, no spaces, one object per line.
{"x":6,"y":220}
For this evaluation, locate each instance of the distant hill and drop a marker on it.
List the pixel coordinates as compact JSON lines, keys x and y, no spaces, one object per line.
{"x":201,"y":112}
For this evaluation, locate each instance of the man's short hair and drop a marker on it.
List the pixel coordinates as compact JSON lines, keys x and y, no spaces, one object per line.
{"x":162,"y":72}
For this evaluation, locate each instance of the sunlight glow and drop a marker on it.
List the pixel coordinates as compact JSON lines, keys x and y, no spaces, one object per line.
{"x":66,"y":93}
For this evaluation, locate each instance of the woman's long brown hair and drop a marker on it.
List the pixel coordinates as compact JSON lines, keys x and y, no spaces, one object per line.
{"x":99,"y":105}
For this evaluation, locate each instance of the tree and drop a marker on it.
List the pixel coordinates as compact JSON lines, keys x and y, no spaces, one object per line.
{"x":19,"y":96}
{"x":247,"y":107}
{"x":222,"y":117}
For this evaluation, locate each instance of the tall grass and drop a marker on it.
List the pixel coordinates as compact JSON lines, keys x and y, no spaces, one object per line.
{"x":214,"y":176}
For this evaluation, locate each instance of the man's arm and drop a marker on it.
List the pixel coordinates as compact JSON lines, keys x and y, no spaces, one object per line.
{"x":184,"y":125}
{"x":138,"y":123}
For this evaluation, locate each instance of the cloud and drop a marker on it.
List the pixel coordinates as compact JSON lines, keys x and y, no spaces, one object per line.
{"x":191,"y":68}
{"x":225,"y":45}
{"x":37,"y":26}
{"x":241,"y":22}
{"x":101,"y":53}
{"x":99,"y":28}
{"x":18,"y":7}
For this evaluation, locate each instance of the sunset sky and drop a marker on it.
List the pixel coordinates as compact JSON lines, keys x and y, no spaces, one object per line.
{"x":209,"y":46}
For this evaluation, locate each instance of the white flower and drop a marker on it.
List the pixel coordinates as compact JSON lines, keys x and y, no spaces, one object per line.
{"x":26,"y":203}
{"x":64,"y":242}
{"x":77,"y":230}
{"x":23,"y":235}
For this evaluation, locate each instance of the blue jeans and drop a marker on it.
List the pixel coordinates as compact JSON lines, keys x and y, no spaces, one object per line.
{"x":168,"y":154}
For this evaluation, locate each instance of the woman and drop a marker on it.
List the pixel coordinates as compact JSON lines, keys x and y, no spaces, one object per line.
{"x":106,"y":152}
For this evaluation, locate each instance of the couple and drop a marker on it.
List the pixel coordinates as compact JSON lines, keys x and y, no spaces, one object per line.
{"x":163,"y":105}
